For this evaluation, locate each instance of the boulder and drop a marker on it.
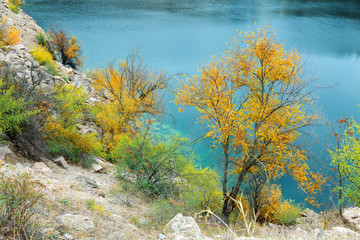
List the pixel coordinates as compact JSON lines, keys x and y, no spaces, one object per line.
{"x":88,"y":181}
{"x":41,"y":167}
{"x":352,"y":216}
{"x":184,"y":228}
{"x":61,"y":162}
{"x":77,"y":222}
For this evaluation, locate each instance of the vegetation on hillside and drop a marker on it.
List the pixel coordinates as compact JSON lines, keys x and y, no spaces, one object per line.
{"x":252,"y":100}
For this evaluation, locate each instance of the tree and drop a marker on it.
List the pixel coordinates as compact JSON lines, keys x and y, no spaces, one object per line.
{"x":66,"y":49}
{"x":254,"y":103}
{"x":128,"y":92}
{"x":346,"y":160}
{"x":338,"y":134}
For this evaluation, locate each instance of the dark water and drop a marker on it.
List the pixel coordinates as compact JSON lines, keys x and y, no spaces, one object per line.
{"x":179,"y":35}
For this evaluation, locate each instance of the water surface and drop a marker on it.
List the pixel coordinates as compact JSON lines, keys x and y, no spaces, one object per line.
{"x":179,"y":35}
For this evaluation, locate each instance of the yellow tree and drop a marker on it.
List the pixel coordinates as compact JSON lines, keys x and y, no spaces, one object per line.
{"x":254,"y":103}
{"x":128,"y":91}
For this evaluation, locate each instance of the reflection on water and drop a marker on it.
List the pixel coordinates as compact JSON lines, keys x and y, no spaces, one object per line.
{"x":179,"y":35}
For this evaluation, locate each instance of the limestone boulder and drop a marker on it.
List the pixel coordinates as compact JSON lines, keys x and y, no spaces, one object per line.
{"x":184,"y":228}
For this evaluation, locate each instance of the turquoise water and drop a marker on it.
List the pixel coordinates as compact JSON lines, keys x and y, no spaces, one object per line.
{"x":177,"y":36}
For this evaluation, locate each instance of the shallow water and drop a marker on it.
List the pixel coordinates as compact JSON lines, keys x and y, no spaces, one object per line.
{"x":179,"y":35}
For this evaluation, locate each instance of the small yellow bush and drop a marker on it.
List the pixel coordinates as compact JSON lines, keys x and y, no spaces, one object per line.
{"x":42,"y":55}
{"x":8,"y":35}
{"x":270,"y":198}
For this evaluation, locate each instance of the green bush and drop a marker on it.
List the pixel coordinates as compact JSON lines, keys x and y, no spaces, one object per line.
{"x":163,"y":210}
{"x":288,"y":212}
{"x":13,"y":111}
{"x":155,"y":165}
{"x":20,"y":196}
{"x":41,"y":38}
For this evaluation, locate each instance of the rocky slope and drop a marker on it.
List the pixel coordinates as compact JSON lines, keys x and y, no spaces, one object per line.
{"x":119,"y":214}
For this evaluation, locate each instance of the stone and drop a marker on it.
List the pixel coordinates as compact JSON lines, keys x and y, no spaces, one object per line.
{"x":97,"y":167}
{"x":161,"y":236}
{"x":68,"y":236}
{"x":99,"y":192}
{"x":7,"y":155}
{"x":247,"y":238}
{"x":61,"y":162}
{"x":352,"y":216}
{"x":185,"y":228}
{"x":345,"y":232}
{"x":77,"y":222}
{"x":41,"y":167}
{"x":88,"y":181}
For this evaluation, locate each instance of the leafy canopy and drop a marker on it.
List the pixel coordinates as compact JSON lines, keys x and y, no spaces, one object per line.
{"x":253,"y":101}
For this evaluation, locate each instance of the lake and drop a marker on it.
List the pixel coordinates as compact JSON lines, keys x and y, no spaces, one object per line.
{"x":177,"y":36}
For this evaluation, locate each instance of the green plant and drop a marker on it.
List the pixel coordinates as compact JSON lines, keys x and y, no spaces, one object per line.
{"x":90,"y":203}
{"x":154,"y":165}
{"x":288,"y":212}
{"x":13,"y":111}
{"x":14,"y":5}
{"x":41,"y":38}
{"x":64,"y":202}
{"x":162,"y":211}
{"x":20,"y":196}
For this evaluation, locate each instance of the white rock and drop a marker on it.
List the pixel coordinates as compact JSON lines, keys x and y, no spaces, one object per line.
{"x":97,"y":167}
{"x":41,"y":167}
{"x":183,"y":228}
{"x":62,"y":162}
{"x":345,"y":232}
{"x":352,"y":215}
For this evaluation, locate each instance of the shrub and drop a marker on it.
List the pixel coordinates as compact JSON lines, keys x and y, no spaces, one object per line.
{"x":200,"y":189}
{"x":14,"y":5}
{"x":62,"y":135}
{"x":19,"y":198}
{"x":155,"y":165}
{"x":45,"y":58}
{"x":13,"y":111}
{"x":41,"y":38}
{"x":66,"y":49}
{"x":270,"y":200}
{"x":163,"y":210}
{"x":8,"y":35}
{"x":29,"y":141}
{"x":288,"y":213}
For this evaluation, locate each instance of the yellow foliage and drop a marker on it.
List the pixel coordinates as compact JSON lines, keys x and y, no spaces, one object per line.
{"x":129,"y":91}
{"x":43,"y":56}
{"x":254,"y":102}
{"x":270,"y":198}
{"x":8,"y":35}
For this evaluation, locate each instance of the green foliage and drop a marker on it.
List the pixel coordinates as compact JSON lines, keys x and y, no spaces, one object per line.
{"x":13,"y":111}
{"x":163,"y":210}
{"x":288,"y":212}
{"x":62,"y":135}
{"x":200,"y":189}
{"x":154,"y":165}
{"x":90,"y":203}
{"x":64,"y":201}
{"x":346,"y":158}
{"x":14,"y":5}
{"x":19,"y":198}
{"x":41,"y":38}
